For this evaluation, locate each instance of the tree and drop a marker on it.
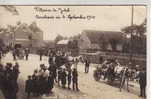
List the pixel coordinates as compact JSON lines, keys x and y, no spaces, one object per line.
{"x":136,"y":30}
{"x":137,"y":38}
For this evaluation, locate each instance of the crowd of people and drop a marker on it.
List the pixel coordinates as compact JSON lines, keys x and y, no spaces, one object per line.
{"x":40,"y":82}
{"x":59,"y":72}
{"x":9,"y":74}
{"x":20,"y":53}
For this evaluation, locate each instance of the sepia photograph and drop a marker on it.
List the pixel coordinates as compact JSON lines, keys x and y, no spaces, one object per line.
{"x":73,"y":51}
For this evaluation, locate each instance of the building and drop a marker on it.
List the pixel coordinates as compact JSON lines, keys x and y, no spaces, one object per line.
{"x":6,"y":37}
{"x":62,"y":45}
{"x":93,"y":40}
{"x":28,"y":35}
{"x":91,"y":46}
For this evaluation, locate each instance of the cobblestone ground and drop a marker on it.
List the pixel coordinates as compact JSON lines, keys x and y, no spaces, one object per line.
{"x":89,"y":88}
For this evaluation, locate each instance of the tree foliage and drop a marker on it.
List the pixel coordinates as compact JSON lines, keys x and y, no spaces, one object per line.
{"x":137,"y":30}
{"x":137,"y":41}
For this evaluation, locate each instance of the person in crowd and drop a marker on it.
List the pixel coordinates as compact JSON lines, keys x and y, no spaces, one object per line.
{"x":27,"y":53}
{"x":1,"y":54}
{"x":75,"y":79}
{"x":16,"y":71}
{"x":59,"y":72}
{"x":58,"y":60}
{"x":110,"y":72}
{"x":105,"y":66}
{"x":3,"y":81}
{"x":1,"y":68}
{"x":63,"y":78}
{"x":76,"y":63}
{"x":50,"y":57}
{"x":29,"y":86}
{"x":10,"y":84}
{"x":69,"y":76}
{"x":41,"y":54}
{"x":44,"y":79}
{"x":53,"y":69}
{"x":50,"y":83}
{"x":87,"y":64}
{"x":21,"y":53}
{"x":14,"y":54}
{"x":136,"y":74}
{"x":142,"y":82}
{"x":8,"y":69}
{"x":35,"y":80}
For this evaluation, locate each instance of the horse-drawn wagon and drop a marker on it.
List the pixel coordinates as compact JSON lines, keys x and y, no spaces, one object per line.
{"x":113,"y":72}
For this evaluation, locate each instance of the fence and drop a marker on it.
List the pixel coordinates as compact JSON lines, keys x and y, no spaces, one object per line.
{"x":122,"y":57}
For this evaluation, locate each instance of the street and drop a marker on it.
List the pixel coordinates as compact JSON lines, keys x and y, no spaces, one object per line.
{"x":89,"y":88}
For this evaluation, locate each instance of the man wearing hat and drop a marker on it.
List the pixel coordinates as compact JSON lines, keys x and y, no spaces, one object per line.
{"x":142,"y":82}
{"x":26,"y":53}
{"x":75,"y":79}
{"x":63,"y":78}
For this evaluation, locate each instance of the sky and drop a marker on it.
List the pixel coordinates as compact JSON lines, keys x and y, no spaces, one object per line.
{"x":105,"y":18}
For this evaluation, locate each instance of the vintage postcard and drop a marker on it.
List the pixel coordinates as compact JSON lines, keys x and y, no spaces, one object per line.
{"x":73,"y":51}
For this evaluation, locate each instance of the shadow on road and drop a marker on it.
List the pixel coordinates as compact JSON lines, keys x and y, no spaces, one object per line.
{"x":132,"y":88}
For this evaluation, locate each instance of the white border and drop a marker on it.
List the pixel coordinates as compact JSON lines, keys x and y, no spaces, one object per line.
{"x":99,"y":2}
{"x":148,"y":50}
{"x":74,"y":2}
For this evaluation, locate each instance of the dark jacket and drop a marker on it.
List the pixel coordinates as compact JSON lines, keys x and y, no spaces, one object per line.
{"x":63,"y":77}
{"x":28,"y":86}
{"x":87,"y":63}
{"x":142,"y":78}
{"x":74,"y":76}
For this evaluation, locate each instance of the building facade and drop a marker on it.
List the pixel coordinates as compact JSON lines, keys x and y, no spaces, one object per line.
{"x":92,"y":40}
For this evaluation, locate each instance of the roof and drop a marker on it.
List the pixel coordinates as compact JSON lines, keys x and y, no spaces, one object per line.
{"x":95,"y":36}
{"x":50,"y":44}
{"x":63,"y":42}
{"x":24,"y":31}
{"x":95,"y":46}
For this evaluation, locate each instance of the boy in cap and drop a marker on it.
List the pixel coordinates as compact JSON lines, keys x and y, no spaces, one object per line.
{"x":28,"y":87}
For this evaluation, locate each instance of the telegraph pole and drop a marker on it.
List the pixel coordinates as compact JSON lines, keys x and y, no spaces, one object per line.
{"x":131,"y":40}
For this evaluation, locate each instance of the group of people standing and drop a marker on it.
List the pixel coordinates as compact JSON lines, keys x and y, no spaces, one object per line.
{"x":20,"y":53}
{"x":67,"y":77}
{"x":8,"y":80}
{"x":40,"y":82}
{"x":64,"y":75}
{"x":59,"y":71}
